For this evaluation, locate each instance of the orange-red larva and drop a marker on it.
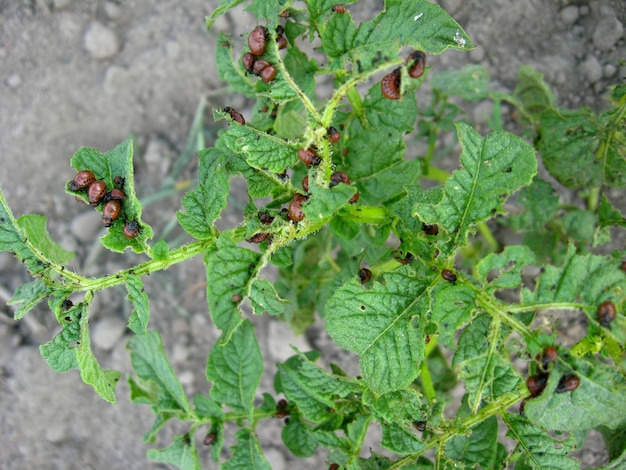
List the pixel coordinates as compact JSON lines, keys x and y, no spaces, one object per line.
{"x":82,"y":179}
{"x":256,"y":40}
{"x":418,"y":64}
{"x":390,"y":85}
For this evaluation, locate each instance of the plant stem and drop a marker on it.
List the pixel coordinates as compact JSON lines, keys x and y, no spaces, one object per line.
{"x":176,"y":256}
{"x":495,"y":408}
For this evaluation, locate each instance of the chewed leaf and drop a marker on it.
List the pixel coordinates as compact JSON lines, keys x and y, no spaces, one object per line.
{"x":581,"y":149}
{"x":598,"y":400}
{"x":264,"y":298}
{"x":589,"y":279}
{"x":483,"y":370}
{"x":60,"y":353}
{"x":27,"y":296}
{"x":507,"y":266}
{"x":470,"y":83}
{"x":538,"y":449}
{"x":540,"y":205}
{"x":418,"y":24}
{"x":138,"y":321}
{"x":454,"y":306}
{"x":390,"y":337}
{"x":312,"y":388}
{"x":533,"y":94}
{"x":260,"y":149}
{"x":205,"y":202}
{"x":383,"y":173}
{"x":230,"y":69}
{"x":235,"y":369}
{"x":34,"y":227}
{"x":102,"y":380}
{"x":108,"y":166}
{"x":492,"y":168}
{"x":182,"y":453}
{"x":247,"y":453}
{"x":151,"y":364}
{"x":229,"y":270}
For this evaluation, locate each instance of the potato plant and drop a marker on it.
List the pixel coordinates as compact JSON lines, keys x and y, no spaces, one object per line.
{"x":411,"y":280}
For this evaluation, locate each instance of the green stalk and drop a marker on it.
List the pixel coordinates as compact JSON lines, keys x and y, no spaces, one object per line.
{"x":495,"y":408}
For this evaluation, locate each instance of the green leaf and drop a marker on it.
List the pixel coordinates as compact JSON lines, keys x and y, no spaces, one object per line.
{"x":106,"y":166}
{"x":223,"y":8}
{"x":230,"y":70}
{"x":587,"y":279}
{"x":385,"y":116}
{"x":480,"y":365}
{"x":204,"y":203}
{"x":235,"y":370}
{"x":540,"y":205}
{"x":399,"y":440}
{"x":390,"y":337}
{"x":207,"y":408}
{"x":579,"y":225}
{"x":492,"y":168}
{"x":150,"y":363}
{"x":311,"y":388}
{"x":453,"y":308}
{"x":319,"y":10}
{"x":102,"y":380}
{"x":477,"y":449}
{"x":28,"y":295}
{"x":260,"y":149}
{"x":384,"y":173}
{"x":608,"y":217}
{"x":299,"y":439}
{"x":229,"y":271}
{"x":470,"y":83}
{"x":507,"y":265}
{"x":265,"y":9}
{"x":60,"y":353}
{"x":138,"y":321}
{"x":532,"y":92}
{"x":14,"y":240}
{"x":182,"y":453}
{"x":34,"y":227}
{"x":418,"y":24}
{"x":539,"y":451}
{"x":598,"y":400}
{"x":247,"y":453}
{"x":325,"y":202}
{"x":161,"y":251}
{"x":395,"y":407}
{"x":264,"y":298}
{"x":581,"y":149}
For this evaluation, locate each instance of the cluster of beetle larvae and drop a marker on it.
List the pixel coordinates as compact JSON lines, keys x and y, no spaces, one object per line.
{"x":110,"y":198}
{"x":537,"y":383}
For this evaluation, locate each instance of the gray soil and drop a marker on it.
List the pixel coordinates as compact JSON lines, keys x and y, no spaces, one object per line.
{"x":91,"y":73}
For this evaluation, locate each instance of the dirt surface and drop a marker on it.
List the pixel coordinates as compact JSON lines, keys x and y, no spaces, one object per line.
{"x":91,"y":73}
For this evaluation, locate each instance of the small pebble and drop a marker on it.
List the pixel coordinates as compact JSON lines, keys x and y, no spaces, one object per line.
{"x":100,"y":41}
{"x":60,"y":4}
{"x":583,"y":10}
{"x":591,"y":69}
{"x":107,"y":332}
{"x":86,"y":225}
{"x":112,"y":10}
{"x":569,"y":15}
{"x":14,"y":80}
{"x":607,"y":32}
{"x":609,"y":70}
